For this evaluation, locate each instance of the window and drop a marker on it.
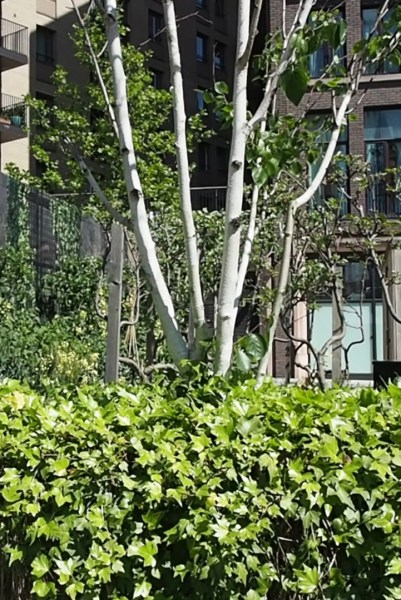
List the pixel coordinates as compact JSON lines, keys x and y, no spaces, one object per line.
{"x":219,"y":8}
{"x":383,"y":151}
{"x":369,"y":18}
{"x":157,"y":79}
{"x":222,"y":159}
{"x":201,"y":48}
{"x":219,"y":55}
{"x":155,"y":23}
{"x":360,"y":281}
{"x":201,"y":4}
{"x":324,"y":56}
{"x":200,"y":100}
{"x":45,"y":39}
{"x":203,"y":156}
{"x":331,"y":189}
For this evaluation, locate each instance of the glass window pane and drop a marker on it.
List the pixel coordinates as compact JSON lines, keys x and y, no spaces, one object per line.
{"x":383,"y":124}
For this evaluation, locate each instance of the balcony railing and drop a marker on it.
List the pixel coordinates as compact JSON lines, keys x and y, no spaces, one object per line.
{"x":383,"y":201}
{"x":211,"y":198}
{"x":13,"y":111}
{"x":14,"y":37}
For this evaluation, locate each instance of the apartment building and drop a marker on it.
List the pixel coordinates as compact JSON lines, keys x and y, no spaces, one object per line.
{"x":35,"y":36}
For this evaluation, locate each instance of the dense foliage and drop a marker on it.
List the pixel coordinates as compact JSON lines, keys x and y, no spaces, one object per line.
{"x":201,"y":491}
{"x":49,"y":328}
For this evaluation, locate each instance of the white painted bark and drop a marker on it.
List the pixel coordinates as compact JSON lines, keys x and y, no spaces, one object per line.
{"x":191,"y":247}
{"x":150,"y":264}
{"x":232,"y":234}
{"x":289,"y":230}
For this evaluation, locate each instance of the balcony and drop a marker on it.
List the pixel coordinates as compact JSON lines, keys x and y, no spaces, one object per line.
{"x":12,"y":118}
{"x":209,"y":198}
{"x":13,"y":45}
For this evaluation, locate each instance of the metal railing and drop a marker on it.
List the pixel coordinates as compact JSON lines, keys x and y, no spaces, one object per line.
{"x":13,"y":110}
{"x":211,"y":198}
{"x":381,"y":200}
{"x":14,"y":37}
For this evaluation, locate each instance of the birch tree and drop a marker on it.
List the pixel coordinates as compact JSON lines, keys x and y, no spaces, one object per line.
{"x":255,"y":146}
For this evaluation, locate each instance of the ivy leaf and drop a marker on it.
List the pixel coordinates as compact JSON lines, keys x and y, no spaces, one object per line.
{"x":43,"y":588}
{"x":308,"y":580}
{"x":142,"y":590}
{"x":394,"y":568}
{"x":40,"y":565}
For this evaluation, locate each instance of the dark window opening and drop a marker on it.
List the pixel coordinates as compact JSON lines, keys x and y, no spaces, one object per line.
{"x":45,"y":42}
{"x":157,"y":79}
{"x":203,"y":156}
{"x":219,"y":52}
{"x":201,"y":48}
{"x":155,"y":25}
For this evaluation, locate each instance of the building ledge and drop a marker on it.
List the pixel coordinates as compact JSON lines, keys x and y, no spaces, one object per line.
{"x":11,"y":60}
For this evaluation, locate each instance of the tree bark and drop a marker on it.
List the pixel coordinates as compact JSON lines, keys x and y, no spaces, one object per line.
{"x":150,"y":264}
{"x":232,"y":233}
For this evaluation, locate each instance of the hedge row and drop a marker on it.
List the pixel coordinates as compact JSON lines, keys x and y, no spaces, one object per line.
{"x":209,"y":492}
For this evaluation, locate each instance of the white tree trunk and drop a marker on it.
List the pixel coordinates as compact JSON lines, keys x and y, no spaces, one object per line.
{"x":191,"y":247}
{"x":289,"y":230}
{"x":150,"y":264}
{"x":232,"y":235}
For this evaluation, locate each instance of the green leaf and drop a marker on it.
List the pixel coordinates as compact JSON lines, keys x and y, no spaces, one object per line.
{"x":43,"y":588}
{"x":40,"y":565}
{"x":221,"y":87}
{"x":307,"y":580}
{"x":295,"y":84}
{"x":394,"y":567}
{"x":142,"y":590}
{"x":243,"y":361}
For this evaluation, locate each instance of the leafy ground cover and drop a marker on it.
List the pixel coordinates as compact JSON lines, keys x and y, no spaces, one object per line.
{"x":199,"y":491}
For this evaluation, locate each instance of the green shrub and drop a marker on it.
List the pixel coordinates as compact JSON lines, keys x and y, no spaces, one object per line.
{"x":205,"y":492}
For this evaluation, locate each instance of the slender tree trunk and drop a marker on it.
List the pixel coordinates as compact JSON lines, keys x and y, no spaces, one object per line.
{"x":232,"y":235}
{"x":150,"y":264}
{"x":191,"y":247}
{"x":281,"y":289}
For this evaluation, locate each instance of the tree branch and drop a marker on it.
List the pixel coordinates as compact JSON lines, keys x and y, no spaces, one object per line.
{"x":97,"y":69}
{"x":86,"y":171}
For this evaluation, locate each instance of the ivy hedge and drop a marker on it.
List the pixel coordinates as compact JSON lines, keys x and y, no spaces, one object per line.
{"x":201,"y":491}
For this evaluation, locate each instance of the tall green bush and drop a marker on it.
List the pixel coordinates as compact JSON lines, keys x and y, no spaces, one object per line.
{"x":207,"y":491}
